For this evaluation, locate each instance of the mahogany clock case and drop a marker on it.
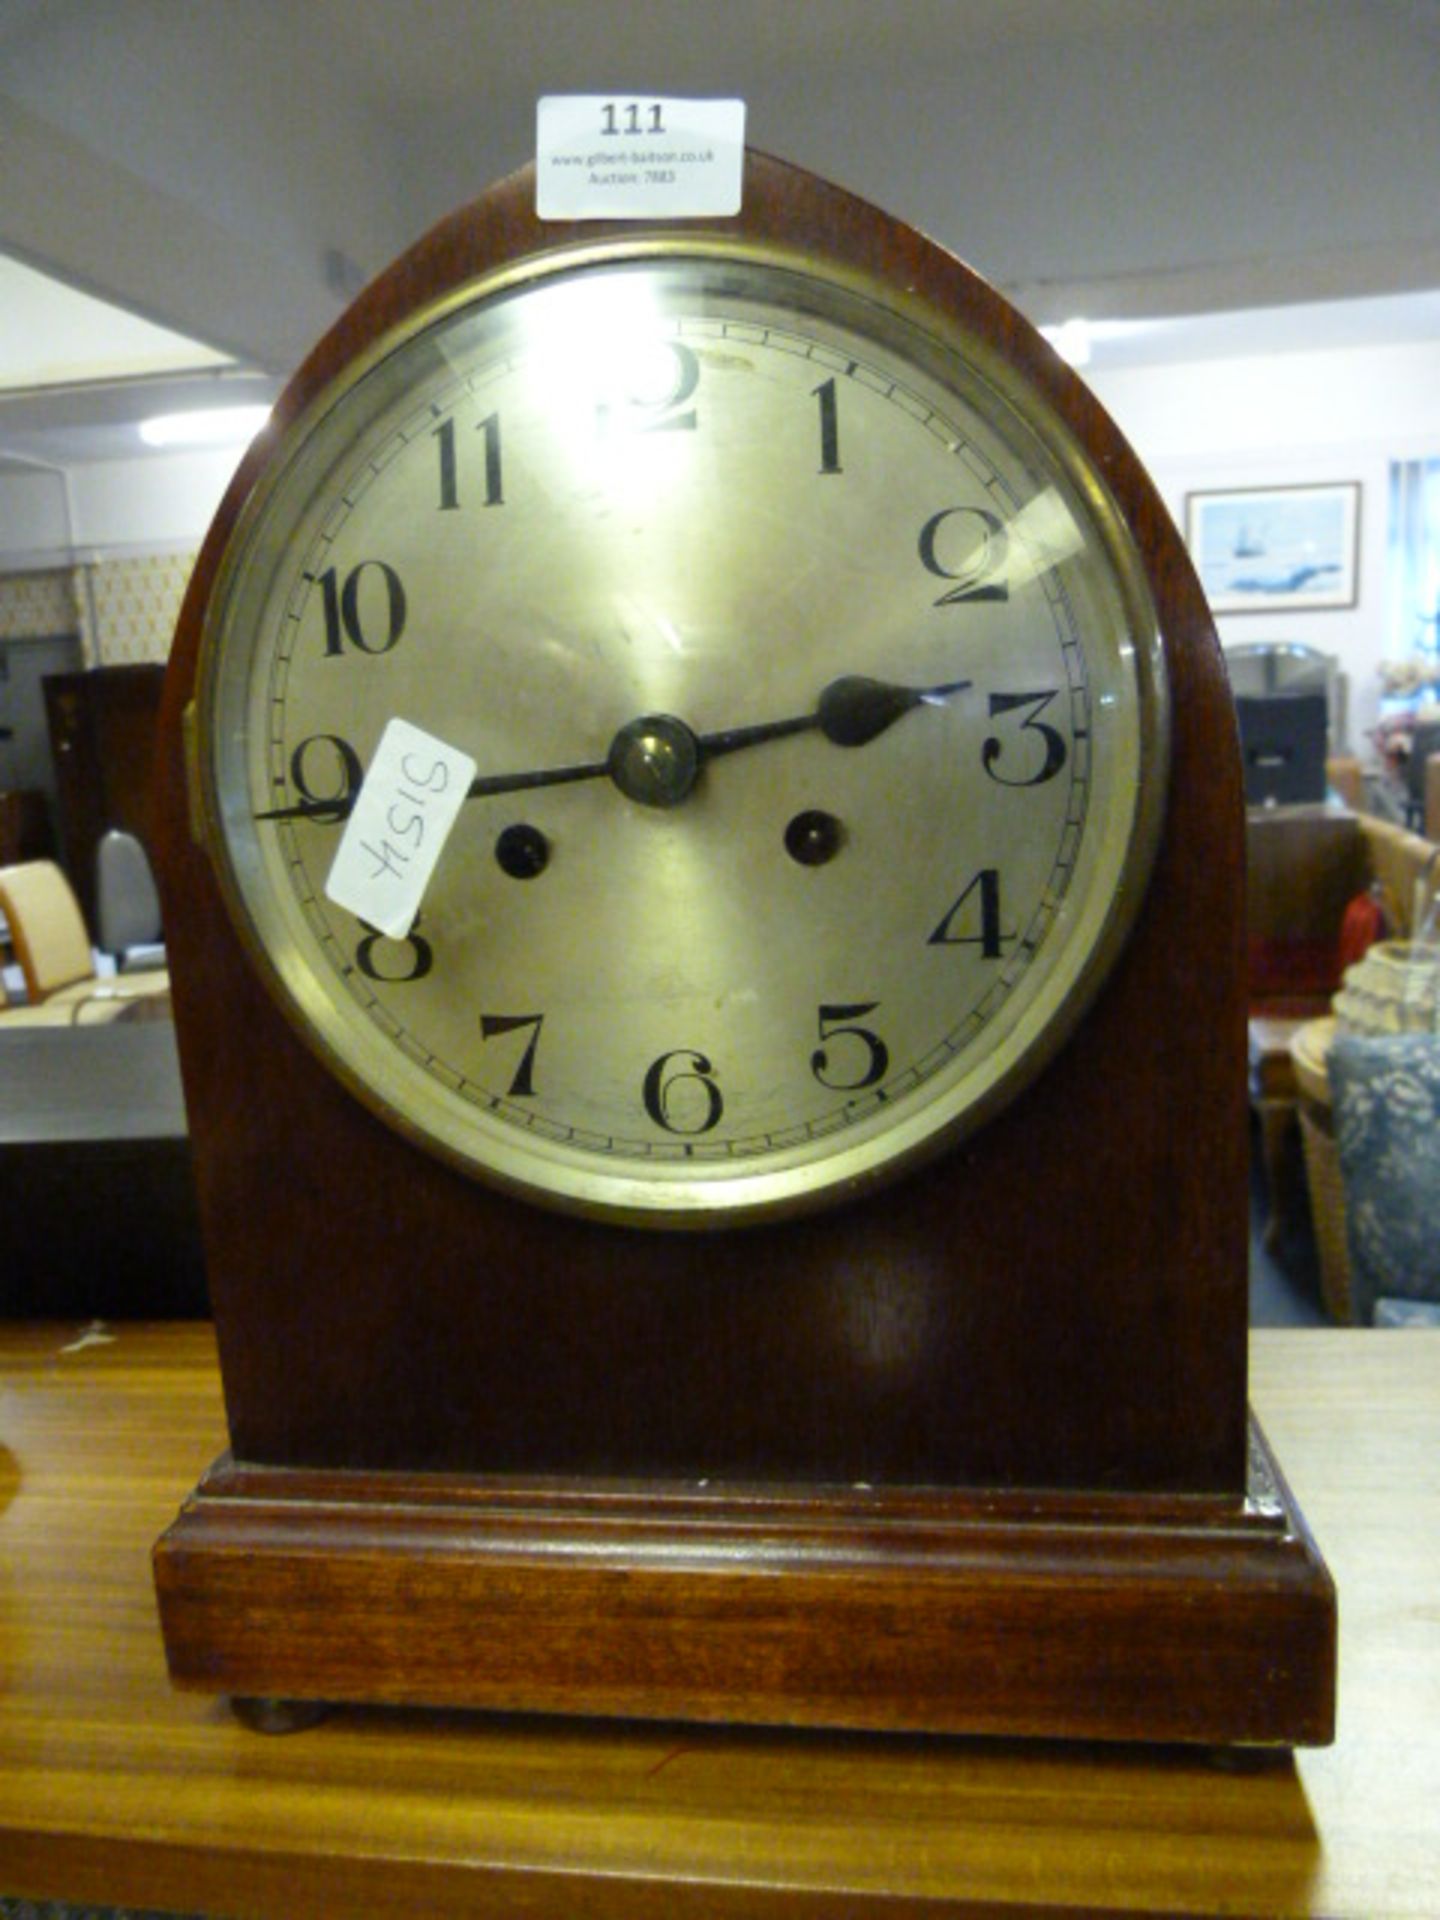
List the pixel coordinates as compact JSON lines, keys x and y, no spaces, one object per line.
{"x":981,"y":1434}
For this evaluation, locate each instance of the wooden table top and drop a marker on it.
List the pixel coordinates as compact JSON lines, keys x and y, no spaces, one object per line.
{"x":114,"y":1788}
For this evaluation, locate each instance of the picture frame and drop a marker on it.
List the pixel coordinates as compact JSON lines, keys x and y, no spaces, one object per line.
{"x":1276,"y":549}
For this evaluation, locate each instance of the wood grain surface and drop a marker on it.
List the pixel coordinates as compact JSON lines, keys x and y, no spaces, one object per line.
{"x":1056,"y":1302}
{"x":1065,"y":1293}
{"x":1091,"y":1615}
{"x":115,"y":1788}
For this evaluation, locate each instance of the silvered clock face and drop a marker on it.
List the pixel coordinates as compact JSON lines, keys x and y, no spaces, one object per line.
{"x":816,"y":709}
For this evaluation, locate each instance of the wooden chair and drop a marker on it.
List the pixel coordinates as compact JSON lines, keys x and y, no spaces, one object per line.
{"x":52,"y":948}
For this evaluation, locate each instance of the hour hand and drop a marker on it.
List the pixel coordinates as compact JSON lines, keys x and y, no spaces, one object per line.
{"x":656,"y":759}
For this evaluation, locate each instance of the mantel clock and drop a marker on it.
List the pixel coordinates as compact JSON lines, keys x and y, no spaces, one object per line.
{"x":702,"y":848}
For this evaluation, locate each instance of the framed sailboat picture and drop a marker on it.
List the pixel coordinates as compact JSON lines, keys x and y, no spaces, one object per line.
{"x":1276,"y":549}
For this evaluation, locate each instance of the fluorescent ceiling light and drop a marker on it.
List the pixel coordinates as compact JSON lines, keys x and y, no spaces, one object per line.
{"x":208,"y":427}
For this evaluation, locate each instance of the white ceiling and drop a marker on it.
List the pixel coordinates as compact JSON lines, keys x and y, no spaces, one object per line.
{"x":52,"y":336}
{"x":1241,"y":175}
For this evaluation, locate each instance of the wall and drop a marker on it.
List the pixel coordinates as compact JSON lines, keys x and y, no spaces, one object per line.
{"x":34,"y":606}
{"x":1274,"y":421}
{"x":108,"y":553}
{"x":35,"y":518}
{"x":1282,"y":420}
{"x":124,"y":609}
{"x":154,"y":501}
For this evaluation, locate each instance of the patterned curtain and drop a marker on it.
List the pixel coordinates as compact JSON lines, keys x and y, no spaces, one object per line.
{"x":1414,"y":572}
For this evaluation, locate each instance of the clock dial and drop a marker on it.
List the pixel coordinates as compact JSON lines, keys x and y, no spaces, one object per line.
{"x":816,"y":711}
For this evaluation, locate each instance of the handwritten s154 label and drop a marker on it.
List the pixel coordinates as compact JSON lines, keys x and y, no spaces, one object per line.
{"x":635,"y":157}
{"x":411,"y":795}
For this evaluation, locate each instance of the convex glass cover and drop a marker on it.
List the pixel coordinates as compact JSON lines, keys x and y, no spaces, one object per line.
{"x":815,"y":706}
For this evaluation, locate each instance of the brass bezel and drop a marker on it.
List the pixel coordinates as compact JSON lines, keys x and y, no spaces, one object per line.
{"x":630,"y":1198}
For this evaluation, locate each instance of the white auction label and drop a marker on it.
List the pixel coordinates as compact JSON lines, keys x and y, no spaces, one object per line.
{"x":413,"y":790}
{"x":621,"y":157}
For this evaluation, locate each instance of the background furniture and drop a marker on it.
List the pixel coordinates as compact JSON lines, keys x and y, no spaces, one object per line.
{"x":1387,"y":1129}
{"x":1372,"y":1163}
{"x":1309,"y":1046}
{"x":115,"y":1789}
{"x":45,"y":930}
{"x":24,"y":835}
{"x":97,"y":1197}
{"x":52,"y":947}
{"x":27,"y":760}
{"x":1305,"y":867}
{"x":1262,"y":669}
{"x":1282,"y":742}
{"x":102,"y":728}
{"x":1422,"y":776}
{"x":127,"y":906}
{"x":24,"y":826}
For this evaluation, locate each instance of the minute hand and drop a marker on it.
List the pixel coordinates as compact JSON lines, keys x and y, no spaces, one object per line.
{"x":662,"y":749}
{"x":657,"y":759}
{"x":851,"y":712}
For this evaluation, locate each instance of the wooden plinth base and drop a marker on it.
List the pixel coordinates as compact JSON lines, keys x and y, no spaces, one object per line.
{"x":1073,"y":1615}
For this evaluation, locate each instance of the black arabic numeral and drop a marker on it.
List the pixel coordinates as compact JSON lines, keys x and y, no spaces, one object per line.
{"x":522,"y":1084}
{"x":422,"y":956}
{"x":829,"y":426}
{"x":967,"y":545}
{"x":835,"y":1021}
{"x":490,"y":427}
{"x":449,"y":487}
{"x":980,"y":925}
{"x":1056,"y":752}
{"x":377,"y":626}
{"x":444,"y":434}
{"x":671,"y":1097}
{"x":327,"y":800}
